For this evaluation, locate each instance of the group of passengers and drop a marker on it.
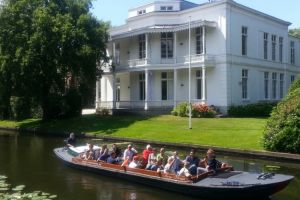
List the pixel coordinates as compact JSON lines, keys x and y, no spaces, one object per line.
{"x":151,"y":159}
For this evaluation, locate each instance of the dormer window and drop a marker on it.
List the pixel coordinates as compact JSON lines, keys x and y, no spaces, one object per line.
{"x":141,"y":12}
{"x":166,"y":8}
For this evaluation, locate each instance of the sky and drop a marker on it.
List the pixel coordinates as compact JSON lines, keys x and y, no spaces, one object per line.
{"x":116,"y":11}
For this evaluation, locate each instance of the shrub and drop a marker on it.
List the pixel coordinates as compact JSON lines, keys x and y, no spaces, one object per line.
{"x":72,"y":104}
{"x":282,"y":132}
{"x":203,"y":110}
{"x":20,"y":107}
{"x":295,"y":85}
{"x":198,"y":110}
{"x":102,"y":111}
{"x":262,"y":109}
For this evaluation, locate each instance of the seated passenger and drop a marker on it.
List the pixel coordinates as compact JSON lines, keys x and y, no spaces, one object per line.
{"x":129,"y":153}
{"x":211,"y":163}
{"x":162,"y":157}
{"x":185,"y":170}
{"x":193,"y":161}
{"x":88,"y":155}
{"x":169,"y":169}
{"x":152,"y":161}
{"x":146,"y":154}
{"x":103,"y":154}
{"x":113,"y":159}
{"x":117,"y":150}
{"x":177,"y":162}
{"x":135,"y":163}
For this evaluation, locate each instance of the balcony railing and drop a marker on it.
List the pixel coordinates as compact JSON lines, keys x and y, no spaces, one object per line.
{"x":165,"y":61}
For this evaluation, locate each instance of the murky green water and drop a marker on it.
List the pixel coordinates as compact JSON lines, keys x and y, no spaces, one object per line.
{"x":30,"y":160}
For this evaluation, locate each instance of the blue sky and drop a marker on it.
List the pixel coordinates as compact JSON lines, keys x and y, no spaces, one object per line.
{"x":116,"y":11}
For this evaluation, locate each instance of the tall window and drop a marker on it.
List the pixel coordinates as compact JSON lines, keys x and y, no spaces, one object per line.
{"x":199,"y":84}
{"x":167,"y":45}
{"x":266,"y":46}
{"x":292,"y":78}
{"x":273,"y":47}
{"x":142,"y":86}
{"x":274,"y":85}
{"x":244,"y":40}
{"x":245,"y":84}
{"x":166,"y":85}
{"x":292,"y":52}
{"x":281,"y":85}
{"x":266,"y":84}
{"x":142,"y":46}
{"x":118,"y":90}
{"x":199,"y":41}
{"x":281,"y":49}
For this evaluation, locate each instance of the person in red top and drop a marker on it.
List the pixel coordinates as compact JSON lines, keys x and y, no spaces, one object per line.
{"x":146,"y":154}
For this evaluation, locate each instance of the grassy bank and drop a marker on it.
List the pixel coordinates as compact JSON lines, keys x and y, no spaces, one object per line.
{"x":241,"y":133}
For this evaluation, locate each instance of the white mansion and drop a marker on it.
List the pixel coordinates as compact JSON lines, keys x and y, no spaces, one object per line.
{"x":237,"y":56}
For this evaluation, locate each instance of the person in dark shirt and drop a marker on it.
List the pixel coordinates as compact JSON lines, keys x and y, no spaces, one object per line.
{"x":193,"y":161}
{"x":71,"y":141}
{"x":117,"y":150}
{"x":112,"y":159}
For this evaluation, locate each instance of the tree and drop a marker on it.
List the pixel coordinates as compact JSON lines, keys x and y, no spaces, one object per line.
{"x":295,"y":32}
{"x":282,"y":132}
{"x":44,"y":41}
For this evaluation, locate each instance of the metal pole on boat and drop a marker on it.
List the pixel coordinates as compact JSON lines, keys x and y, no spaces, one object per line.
{"x":190,"y":104}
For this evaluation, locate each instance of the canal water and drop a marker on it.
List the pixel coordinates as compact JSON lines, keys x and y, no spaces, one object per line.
{"x":30,"y":160}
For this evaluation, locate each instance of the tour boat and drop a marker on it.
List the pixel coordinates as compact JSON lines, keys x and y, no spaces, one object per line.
{"x":225,"y":184}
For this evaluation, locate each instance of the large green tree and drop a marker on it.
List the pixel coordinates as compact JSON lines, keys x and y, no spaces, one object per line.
{"x":44,"y":41}
{"x":295,"y":32}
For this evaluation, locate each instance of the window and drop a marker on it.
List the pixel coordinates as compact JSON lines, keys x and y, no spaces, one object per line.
{"x":266,"y":46}
{"x":244,"y":40}
{"x":280,"y":49}
{"x":118,"y":90}
{"x":169,"y":8}
{"x":142,"y":46}
{"x":166,"y":45}
{"x":199,"y":41}
{"x":292,"y":78}
{"x":266,"y":84}
{"x":199,"y":84}
{"x":274,"y":85}
{"x":273,"y":47}
{"x":163,"y":8}
{"x":245,"y":84}
{"x":292,"y":52}
{"x":142,"y":86}
{"x":117,"y":54}
{"x":167,"y":85}
{"x":141,"y":12}
{"x":281,"y":85}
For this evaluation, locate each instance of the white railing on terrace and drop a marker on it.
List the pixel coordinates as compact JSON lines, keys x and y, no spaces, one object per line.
{"x":141,"y":104}
{"x":162,"y":61}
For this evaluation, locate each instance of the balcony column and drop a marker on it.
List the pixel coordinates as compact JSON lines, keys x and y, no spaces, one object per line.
{"x":203,"y":84}
{"x":175,"y":88}
{"x":146,"y":88}
{"x":175,"y":47}
{"x":204,"y":39}
{"x":97,"y":93}
{"x":147,"y":48}
{"x":114,"y":77}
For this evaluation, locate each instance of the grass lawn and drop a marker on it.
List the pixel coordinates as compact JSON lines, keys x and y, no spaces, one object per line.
{"x":240,"y":133}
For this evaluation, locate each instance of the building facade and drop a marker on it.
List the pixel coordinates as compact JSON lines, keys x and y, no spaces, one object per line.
{"x":236,"y":55}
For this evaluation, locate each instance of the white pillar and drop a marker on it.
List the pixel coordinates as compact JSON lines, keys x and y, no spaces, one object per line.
{"x":203,"y":84}
{"x":97,"y":93}
{"x":175,"y":47}
{"x":147,"y":48}
{"x":175,"y":87}
{"x":204,"y":39}
{"x":146,"y":88}
{"x":114,"y":91}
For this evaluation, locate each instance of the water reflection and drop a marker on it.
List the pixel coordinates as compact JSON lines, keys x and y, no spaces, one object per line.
{"x":30,"y":161}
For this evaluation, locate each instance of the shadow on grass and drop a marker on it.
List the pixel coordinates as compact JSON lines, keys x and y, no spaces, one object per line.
{"x":93,"y":124}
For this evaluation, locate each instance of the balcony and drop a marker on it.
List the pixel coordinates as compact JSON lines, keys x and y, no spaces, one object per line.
{"x":179,"y":61}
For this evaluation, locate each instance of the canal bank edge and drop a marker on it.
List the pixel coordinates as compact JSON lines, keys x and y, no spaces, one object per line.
{"x":274,"y":156}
